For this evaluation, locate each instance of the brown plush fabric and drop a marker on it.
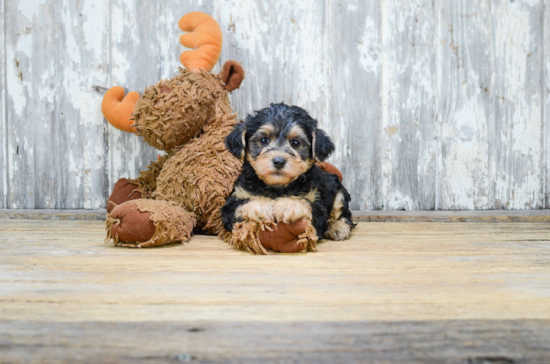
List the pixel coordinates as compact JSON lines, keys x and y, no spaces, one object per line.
{"x":201,"y":176}
{"x":123,"y":191}
{"x":245,"y":236}
{"x":171,"y":224}
{"x":285,"y":238}
{"x":131,"y":225}
{"x":189,"y":116}
{"x":327,"y":167}
{"x":169,"y":119}
{"x":147,"y":180}
{"x":233,"y":75}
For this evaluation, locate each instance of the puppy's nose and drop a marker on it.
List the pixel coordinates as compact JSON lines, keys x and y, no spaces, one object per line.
{"x":279,"y":162}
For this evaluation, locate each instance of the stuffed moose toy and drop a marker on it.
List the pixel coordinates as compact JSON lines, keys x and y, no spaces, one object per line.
{"x":188,"y":117}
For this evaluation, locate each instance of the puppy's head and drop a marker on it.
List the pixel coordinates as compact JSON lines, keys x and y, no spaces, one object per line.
{"x":281,"y":142}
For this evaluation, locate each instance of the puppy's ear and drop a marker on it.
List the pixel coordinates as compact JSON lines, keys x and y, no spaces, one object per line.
{"x":322,"y":145}
{"x":235,"y":142}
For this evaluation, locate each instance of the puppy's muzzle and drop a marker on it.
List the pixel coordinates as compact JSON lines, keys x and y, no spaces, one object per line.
{"x":279,"y":162}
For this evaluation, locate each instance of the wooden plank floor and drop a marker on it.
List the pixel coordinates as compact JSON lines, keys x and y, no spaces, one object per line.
{"x":394,"y":293}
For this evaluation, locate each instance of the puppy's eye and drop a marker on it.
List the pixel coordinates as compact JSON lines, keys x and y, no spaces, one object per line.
{"x":264,"y":141}
{"x":295,"y":143}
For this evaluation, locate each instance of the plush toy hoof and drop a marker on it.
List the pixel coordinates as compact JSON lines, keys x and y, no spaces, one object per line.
{"x":123,"y":191}
{"x":284,"y":238}
{"x":131,"y":225}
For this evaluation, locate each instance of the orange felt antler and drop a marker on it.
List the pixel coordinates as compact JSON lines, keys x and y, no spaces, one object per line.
{"x":205,"y":39}
{"x":118,"y":109}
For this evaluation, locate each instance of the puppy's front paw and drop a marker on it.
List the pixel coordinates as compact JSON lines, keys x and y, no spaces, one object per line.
{"x":259,"y":210}
{"x":338,"y":230}
{"x":289,"y":210}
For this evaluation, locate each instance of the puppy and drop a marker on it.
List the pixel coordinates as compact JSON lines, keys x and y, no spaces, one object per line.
{"x":280,"y":182}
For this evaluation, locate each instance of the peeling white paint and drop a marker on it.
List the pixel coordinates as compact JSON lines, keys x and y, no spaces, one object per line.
{"x":405,"y":99}
{"x":369,"y":47}
{"x":19,"y":84}
{"x":16,"y":89}
{"x":93,"y":21}
{"x":398,"y":201}
{"x":518,"y":183}
{"x":466,"y":160}
{"x":3,"y":121}
{"x":30,"y":8}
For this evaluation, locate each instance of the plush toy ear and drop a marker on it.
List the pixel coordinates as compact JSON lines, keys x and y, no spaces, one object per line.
{"x":233,"y":75}
{"x":322,"y":145}
{"x":235,"y":142}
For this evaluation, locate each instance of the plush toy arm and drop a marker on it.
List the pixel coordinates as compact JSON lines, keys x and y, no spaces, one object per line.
{"x":118,"y":109}
{"x":147,"y":180}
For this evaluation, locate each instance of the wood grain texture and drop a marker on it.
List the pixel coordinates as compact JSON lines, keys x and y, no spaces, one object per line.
{"x":397,"y":293}
{"x":546,"y":95}
{"x":413,"y":342}
{"x":357,"y":216}
{"x":56,"y":145}
{"x":141,"y":54}
{"x":485,"y":216}
{"x":61,"y":271}
{"x":33,"y":114}
{"x":518,"y":78}
{"x":353,"y":49}
{"x":81,"y":161}
{"x":465,"y":111}
{"x":281,"y":46}
{"x":3,"y":122}
{"x":432,"y":105}
{"x":407,"y":137}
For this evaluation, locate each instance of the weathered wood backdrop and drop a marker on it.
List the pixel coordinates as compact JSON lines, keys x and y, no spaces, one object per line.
{"x":433,"y":104}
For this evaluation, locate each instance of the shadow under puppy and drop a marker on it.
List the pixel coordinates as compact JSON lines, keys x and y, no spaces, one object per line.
{"x":283,"y":201}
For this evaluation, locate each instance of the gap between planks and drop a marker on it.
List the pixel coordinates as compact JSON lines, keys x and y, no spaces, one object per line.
{"x":358,"y":216}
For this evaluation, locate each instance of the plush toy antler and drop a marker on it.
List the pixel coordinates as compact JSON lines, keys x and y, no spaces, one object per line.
{"x":118,"y":109}
{"x":205,"y":39}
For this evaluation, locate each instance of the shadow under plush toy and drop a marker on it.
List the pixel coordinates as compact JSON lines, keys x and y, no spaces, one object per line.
{"x":188,"y":116}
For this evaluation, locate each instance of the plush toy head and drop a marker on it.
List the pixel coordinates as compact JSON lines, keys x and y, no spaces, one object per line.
{"x":173,"y":111}
{"x":280,"y":142}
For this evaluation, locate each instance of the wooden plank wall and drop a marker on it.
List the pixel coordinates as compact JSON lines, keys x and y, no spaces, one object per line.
{"x":3,"y":125}
{"x":432,"y":104}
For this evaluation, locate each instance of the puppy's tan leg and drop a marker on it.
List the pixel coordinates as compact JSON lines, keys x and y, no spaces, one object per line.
{"x":338,"y":228}
{"x":289,"y":209}
{"x":259,"y":209}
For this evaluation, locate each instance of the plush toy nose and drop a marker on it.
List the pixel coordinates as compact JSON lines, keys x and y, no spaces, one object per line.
{"x":279,"y":162}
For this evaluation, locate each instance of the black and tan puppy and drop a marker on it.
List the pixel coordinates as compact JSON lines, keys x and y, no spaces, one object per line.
{"x":280,"y":182}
